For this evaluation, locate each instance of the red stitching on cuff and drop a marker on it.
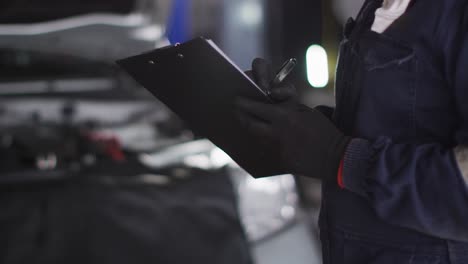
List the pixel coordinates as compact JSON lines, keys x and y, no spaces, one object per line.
{"x":340,"y":174}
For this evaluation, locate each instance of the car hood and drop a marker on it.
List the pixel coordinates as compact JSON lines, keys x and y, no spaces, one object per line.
{"x":97,"y":30}
{"x":33,"y":11}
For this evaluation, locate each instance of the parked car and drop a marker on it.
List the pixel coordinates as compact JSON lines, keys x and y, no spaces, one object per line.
{"x":94,"y":169}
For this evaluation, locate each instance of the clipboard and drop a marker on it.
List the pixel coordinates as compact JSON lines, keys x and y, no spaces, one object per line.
{"x":199,"y":83}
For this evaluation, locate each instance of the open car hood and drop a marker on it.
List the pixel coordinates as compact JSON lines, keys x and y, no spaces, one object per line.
{"x":33,"y":11}
{"x":56,"y":47}
{"x":92,"y":29}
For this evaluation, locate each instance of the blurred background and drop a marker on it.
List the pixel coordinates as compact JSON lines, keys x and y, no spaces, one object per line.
{"x":93,"y":169}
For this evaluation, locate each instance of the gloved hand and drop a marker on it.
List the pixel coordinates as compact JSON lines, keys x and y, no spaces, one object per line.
{"x":307,"y":141}
{"x":326,"y":111}
{"x":262,"y":73}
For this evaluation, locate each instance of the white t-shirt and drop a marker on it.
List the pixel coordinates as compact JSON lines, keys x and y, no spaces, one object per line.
{"x":390,"y":11}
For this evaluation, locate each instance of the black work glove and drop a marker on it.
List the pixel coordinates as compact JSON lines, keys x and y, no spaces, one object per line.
{"x":326,"y":111}
{"x":262,"y":74}
{"x":307,"y":141}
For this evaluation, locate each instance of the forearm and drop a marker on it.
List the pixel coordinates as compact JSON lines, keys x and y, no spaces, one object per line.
{"x":415,"y":186}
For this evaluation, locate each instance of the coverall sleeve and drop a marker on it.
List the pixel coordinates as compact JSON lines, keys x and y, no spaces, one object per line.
{"x":421,"y":187}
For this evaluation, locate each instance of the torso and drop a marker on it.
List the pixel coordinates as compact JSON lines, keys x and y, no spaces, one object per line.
{"x":388,"y":84}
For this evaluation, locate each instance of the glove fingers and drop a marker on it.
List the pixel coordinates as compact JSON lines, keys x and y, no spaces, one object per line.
{"x":260,"y":129}
{"x":262,"y":72}
{"x":326,"y":111}
{"x":249,"y":74}
{"x":283,"y":92}
{"x":262,"y":111}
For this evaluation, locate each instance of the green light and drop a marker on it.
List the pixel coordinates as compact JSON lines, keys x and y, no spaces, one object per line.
{"x":317,"y":66}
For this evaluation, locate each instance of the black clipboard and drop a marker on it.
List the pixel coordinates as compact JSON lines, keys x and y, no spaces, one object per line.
{"x":199,"y":83}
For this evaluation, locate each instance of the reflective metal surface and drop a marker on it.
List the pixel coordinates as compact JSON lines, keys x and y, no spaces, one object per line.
{"x":267,"y":205}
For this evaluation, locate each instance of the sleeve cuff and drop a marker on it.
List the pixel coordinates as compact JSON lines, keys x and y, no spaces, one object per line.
{"x":355,"y":165}
{"x":340,"y":175}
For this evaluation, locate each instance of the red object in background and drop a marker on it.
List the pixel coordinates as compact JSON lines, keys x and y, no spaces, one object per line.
{"x":114,"y":149}
{"x":110,"y":144}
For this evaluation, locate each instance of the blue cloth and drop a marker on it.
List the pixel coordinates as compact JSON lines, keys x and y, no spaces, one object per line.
{"x":178,"y":25}
{"x":402,"y":95}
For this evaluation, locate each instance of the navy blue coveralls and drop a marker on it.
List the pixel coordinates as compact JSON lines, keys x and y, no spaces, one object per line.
{"x":403,"y":96}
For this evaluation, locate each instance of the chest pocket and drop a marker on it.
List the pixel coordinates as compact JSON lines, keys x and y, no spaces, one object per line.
{"x":379,"y":51}
{"x":386,"y":75}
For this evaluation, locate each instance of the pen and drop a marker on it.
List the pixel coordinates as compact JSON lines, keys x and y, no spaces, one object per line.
{"x":284,"y":71}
